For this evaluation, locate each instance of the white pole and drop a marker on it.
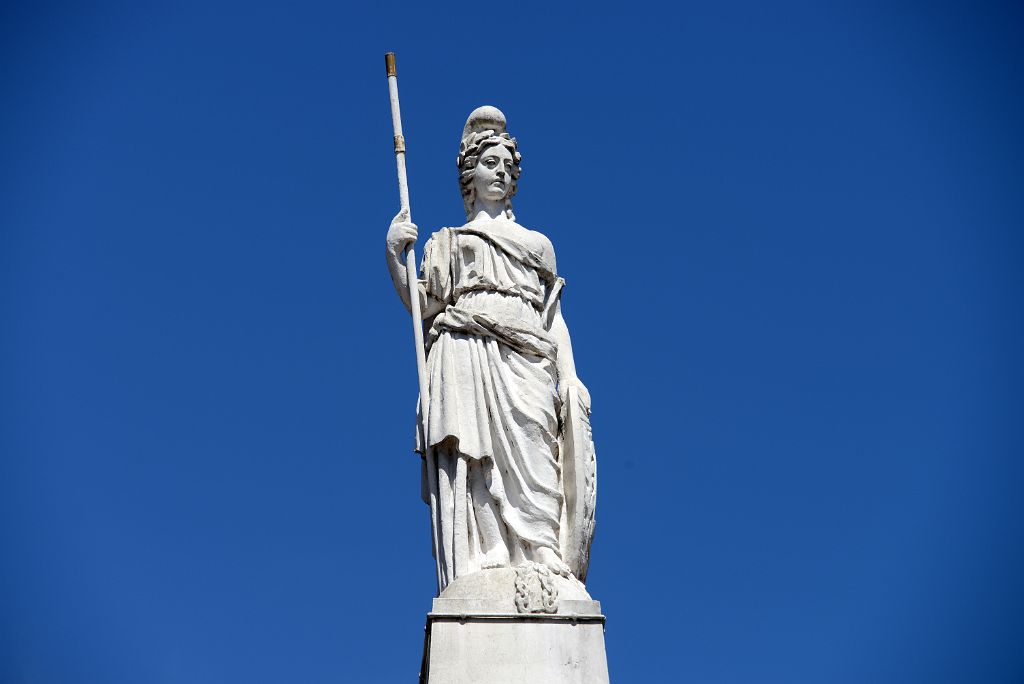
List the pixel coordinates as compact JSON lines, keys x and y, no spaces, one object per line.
{"x":414,"y":305}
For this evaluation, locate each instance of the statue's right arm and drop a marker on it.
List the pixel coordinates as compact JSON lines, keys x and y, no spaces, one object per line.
{"x":401,"y":233}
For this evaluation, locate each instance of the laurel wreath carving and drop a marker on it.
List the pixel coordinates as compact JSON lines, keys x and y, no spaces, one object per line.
{"x":535,"y":589}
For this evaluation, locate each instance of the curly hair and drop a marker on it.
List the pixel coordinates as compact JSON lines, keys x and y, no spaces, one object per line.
{"x":473,"y":145}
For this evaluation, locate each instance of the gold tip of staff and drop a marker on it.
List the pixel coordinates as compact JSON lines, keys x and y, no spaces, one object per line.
{"x":389,"y":62}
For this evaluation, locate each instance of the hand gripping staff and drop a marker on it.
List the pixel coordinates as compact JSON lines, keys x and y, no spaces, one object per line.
{"x":414,"y":303}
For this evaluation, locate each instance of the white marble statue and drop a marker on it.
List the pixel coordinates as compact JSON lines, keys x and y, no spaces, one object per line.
{"x":507,"y":417}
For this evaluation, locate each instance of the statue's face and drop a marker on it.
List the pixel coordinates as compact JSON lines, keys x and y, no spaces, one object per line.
{"x":492,"y":177}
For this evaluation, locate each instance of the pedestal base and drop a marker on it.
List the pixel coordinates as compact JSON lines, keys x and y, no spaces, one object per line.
{"x":487,"y":641}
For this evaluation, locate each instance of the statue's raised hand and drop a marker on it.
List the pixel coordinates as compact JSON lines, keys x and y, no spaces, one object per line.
{"x":401,"y":232}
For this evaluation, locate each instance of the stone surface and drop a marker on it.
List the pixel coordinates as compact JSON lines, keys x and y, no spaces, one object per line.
{"x":501,"y":590}
{"x":476,"y":633}
{"x":519,"y":650}
{"x":510,"y":472}
{"x":504,"y":428}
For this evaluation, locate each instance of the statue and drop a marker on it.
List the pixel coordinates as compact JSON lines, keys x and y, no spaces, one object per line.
{"x":511,"y":471}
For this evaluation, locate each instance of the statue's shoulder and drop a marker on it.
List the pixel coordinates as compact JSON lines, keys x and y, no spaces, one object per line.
{"x":539,"y":243}
{"x":439,"y":235}
{"x":438,"y":245}
{"x":535,"y":238}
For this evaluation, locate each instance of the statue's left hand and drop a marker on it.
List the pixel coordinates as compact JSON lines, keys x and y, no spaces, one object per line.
{"x":581,"y":389}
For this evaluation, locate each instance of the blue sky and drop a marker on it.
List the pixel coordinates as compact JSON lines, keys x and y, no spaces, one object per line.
{"x":792,"y":240}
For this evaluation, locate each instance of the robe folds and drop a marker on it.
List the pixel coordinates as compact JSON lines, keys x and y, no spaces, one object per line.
{"x":492,"y":413}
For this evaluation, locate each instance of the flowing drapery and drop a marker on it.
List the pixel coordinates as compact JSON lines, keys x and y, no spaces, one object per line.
{"x":492,"y":415}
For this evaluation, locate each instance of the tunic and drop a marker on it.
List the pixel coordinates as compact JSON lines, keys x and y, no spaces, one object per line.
{"x":493,"y":402}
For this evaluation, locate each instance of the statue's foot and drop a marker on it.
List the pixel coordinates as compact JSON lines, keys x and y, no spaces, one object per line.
{"x":495,"y":558}
{"x":549,"y":558}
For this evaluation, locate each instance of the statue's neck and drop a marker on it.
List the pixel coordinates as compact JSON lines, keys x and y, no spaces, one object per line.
{"x":487,"y":209}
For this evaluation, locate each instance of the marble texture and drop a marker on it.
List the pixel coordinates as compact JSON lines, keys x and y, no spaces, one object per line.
{"x":477,"y":633}
{"x":509,"y":461}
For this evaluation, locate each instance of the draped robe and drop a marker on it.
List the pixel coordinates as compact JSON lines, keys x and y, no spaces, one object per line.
{"x":492,"y":414}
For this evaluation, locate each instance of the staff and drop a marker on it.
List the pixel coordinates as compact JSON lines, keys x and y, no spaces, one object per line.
{"x":414,"y":300}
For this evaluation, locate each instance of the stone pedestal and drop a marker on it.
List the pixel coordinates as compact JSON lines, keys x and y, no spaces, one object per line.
{"x":494,"y":627}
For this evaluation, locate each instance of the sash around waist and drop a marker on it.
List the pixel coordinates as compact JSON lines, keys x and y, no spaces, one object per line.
{"x":506,"y":318}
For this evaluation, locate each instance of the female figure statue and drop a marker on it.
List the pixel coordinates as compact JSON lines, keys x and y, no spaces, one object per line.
{"x":500,"y":372}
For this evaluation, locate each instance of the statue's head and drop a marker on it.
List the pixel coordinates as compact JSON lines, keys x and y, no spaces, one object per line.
{"x":488,"y":160}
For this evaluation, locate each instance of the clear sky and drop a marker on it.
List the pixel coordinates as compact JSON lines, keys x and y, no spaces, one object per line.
{"x":792,"y":239}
